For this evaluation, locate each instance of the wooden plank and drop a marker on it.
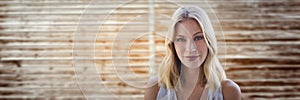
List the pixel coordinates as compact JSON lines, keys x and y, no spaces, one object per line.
{"x":36,"y":40}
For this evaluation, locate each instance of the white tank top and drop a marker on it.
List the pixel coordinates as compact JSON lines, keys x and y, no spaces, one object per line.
{"x":167,"y":94}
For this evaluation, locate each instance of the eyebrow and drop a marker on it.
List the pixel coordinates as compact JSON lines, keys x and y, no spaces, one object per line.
{"x":180,"y":35}
{"x":197,"y":33}
{"x":193,"y":34}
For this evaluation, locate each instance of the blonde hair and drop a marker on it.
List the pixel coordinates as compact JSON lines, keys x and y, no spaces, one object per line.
{"x":169,"y":70}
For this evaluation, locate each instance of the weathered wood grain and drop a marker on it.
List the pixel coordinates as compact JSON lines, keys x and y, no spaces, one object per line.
{"x":38,"y":45}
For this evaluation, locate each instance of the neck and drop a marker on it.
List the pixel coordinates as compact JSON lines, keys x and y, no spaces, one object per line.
{"x":189,"y":81}
{"x":190,"y":76}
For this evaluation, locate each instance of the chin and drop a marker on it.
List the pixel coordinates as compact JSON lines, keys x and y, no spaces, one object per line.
{"x":192,"y":66}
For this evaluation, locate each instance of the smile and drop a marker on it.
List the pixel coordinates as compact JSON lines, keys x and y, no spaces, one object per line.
{"x":191,"y":58}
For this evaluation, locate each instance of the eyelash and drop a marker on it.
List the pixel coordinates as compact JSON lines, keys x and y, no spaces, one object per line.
{"x":197,"y":38}
{"x":180,"y":40}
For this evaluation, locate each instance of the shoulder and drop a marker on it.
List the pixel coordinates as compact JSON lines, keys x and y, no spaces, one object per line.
{"x":152,"y":81}
{"x":231,"y":91}
{"x":152,"y":89}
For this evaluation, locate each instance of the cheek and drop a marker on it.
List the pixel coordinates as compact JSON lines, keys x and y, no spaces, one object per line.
{"x":179,"y":49}
{"x":202,"y":47}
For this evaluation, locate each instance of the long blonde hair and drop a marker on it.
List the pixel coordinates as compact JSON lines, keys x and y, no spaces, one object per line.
{"x":169,"y":70}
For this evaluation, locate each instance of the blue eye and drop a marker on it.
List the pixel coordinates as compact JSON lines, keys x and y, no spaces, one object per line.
{"x":180,"y":40}
{"x":198,"y":38}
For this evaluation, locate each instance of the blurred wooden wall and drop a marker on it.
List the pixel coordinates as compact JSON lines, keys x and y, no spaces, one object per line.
{"x":53,"y":49}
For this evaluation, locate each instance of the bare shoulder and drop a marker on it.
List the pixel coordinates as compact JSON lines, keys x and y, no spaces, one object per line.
{"x":151,"y":89}
{"x":231,"y":91}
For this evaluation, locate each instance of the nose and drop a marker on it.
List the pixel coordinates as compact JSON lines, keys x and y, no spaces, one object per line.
{"x":191,"y":46}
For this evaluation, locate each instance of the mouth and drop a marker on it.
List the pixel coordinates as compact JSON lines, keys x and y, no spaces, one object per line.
{"x":191,"y":58}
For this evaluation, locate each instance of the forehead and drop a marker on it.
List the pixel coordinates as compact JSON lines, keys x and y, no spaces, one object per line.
{"x":187,"y":26}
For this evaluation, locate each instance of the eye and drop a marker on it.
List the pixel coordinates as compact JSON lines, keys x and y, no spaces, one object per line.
{"x":197,"y":38}
{"x":180,"y":40}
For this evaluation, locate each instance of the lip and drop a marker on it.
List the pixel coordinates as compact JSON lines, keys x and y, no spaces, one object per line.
{"x":191,"y":58}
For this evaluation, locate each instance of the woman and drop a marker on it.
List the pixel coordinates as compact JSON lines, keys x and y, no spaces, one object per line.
{"x":191,"y":69}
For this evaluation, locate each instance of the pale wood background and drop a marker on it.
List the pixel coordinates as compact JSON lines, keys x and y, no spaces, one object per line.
{"x":37,"y":51}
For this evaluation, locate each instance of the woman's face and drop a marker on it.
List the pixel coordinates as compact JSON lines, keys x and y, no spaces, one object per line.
{"x":189,"y":43}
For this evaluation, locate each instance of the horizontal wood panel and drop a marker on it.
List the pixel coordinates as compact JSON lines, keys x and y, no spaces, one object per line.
{"x":50,"y":48}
